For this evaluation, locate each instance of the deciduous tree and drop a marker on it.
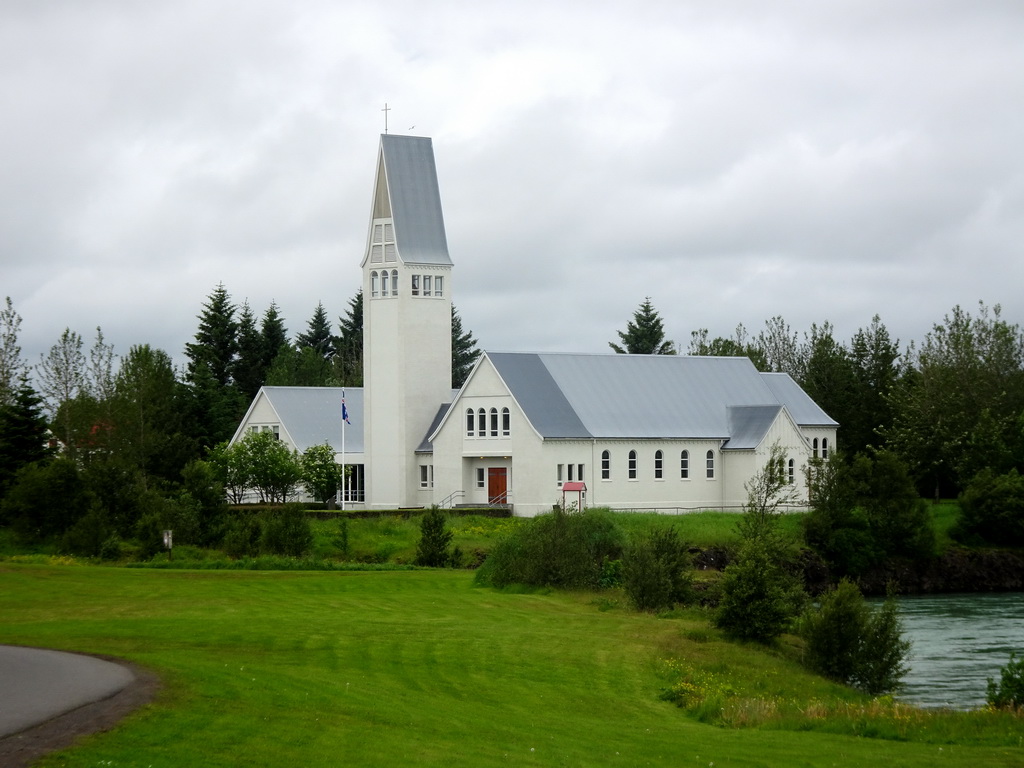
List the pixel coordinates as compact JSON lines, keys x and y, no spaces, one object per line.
{"x":12,"y":366}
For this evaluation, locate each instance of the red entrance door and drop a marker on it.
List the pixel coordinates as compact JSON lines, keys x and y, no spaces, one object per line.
{"x":497,"y":485}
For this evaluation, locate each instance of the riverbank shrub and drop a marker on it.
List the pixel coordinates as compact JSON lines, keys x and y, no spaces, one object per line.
{"x":657,"y":572}
{"x":558,"y":549}
{"x":1008,"y":693}
{"x":850,"y":643}
{"x":992,"y":509}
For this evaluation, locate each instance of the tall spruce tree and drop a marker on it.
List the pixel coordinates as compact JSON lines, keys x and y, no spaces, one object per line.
{"x":645,"y":334}
{"x":317,"y":335}
{"x":464,"y":351}
{"x":23,"y":432}
{"x":348,"y":356}
{"x":250,"y":374}
{"x":273,"y":333}
{"x":216,"y":402}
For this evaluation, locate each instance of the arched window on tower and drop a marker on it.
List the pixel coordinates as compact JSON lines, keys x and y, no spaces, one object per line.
{"x":394,"y":282}
{"x":374,"y":286}
{"x":384,"y":279}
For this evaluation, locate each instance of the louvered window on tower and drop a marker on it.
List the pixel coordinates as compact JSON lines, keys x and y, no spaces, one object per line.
{"x":390,"y":252}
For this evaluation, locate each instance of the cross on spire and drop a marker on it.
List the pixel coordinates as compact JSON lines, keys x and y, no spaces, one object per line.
{"x":385,"y":111}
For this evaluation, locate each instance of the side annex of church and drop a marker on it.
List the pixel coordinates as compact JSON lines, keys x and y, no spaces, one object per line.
{"x":526,"y":430}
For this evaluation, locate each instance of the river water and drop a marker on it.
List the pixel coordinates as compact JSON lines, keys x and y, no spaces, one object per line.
{"x":959,"y":641}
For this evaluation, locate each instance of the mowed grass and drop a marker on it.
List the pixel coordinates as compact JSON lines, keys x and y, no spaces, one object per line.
{"x":411,"y":668}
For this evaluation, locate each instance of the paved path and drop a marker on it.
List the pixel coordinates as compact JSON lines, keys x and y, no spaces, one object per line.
{"x":37,"y":685}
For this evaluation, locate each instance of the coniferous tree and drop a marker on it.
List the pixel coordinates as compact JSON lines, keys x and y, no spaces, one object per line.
{"x":250,"y":374}
{"x":216,"y":402}
{"x":23,"y":432}
{"x":464,"y":351}
{"x":318,"y":336}
{"x":348,"y":356}
{"x":273,"y":333}
{"x":875,"y":359}
{"x":645,"y":334}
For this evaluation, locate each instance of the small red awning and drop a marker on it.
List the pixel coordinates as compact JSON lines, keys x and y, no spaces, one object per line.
{"x":574,"y":487}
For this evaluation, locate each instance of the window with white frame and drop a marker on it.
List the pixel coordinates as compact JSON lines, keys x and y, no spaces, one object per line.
{"x":560,"y":474}
{"x":632,"y":465}
{"x":710,"y":460}
{"x":374,"y":284}
{"x":606,"y":465}
{"x":684,"y":465}
{"x":494,"y":422}
{"x":384,"y":280}
{"x":659,"y":461}
{"x":480,"y":477}
{"x":426,"y":475}
{"x":415,"y":290}
{"x":506,"y":422}
{"x":439,"y":286}
{"x":470,"y":419}
{"x":426,"y":285}
{"x":824,"y":448}
{"x":394,"y":282}
{"x":792,"y":471}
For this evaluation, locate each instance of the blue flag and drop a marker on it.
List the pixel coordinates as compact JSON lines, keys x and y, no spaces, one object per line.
{"x":344,"y":410}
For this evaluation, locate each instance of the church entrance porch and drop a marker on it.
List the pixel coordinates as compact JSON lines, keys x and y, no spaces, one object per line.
{"x":497,"y":485}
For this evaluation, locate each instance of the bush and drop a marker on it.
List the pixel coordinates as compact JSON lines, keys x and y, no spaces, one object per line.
{"x":559,"y":549}
{"x":656,"y":573}
{"x":242,"y":536}
{"x":285,"y":531}
{"x":87,"y":536}
{"x":435,"y":539}
{"x":759,"y":597}
{"x":1009,"y":692}
{"x":848,"y":642}
{"x":45,"y":499}
{"x":992,"y":509}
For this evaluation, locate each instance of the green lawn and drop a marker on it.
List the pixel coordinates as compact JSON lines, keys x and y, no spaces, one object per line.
{"x":413,"y":668}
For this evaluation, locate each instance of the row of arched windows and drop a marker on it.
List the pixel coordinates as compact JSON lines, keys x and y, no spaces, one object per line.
{"x":824,"y":447}
{"x":484,"y":423}
{"x":384,"y":283}
{"x":659,"y":465}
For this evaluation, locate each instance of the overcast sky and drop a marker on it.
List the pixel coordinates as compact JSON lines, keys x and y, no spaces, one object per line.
{"x":731,"y":160}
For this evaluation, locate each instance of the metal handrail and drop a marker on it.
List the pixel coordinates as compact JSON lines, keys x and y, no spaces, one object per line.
{"x":449,"y":500}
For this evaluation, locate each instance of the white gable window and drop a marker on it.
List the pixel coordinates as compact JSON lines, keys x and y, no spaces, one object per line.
{"x":506,"y":422}
{"x":824,"y":448}
{"x":494,"y":422}
{"x":481,"y":424}
{"x":684,"y":465}
{"x":792,"y":471}
{"x":606,"y":465}
{"x":382,"y":244}
{"x":814,"y":446}
{"x":659,"y":458}
{"x":632,"y":465}
{"x":470,"y":430}
{"x":711,"y":465}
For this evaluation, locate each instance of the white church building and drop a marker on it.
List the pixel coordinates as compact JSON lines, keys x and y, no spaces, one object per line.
{"x":527,"y":430}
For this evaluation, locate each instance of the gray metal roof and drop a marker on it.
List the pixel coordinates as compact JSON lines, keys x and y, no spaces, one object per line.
{"x":640,"y":396}
{"x":801,"y":407}
{"x":748,"y":424}
{"x":312,"y":415}
{"x":408,"y":163}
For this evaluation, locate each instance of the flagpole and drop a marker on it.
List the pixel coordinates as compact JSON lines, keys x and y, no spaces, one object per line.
{"x":344,"y":477}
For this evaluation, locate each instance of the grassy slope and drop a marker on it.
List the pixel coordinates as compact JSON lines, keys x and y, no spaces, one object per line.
{"x":403,"y":668}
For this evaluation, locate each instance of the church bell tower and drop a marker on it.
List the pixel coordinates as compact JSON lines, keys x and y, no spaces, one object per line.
{"x":407,"y":356}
